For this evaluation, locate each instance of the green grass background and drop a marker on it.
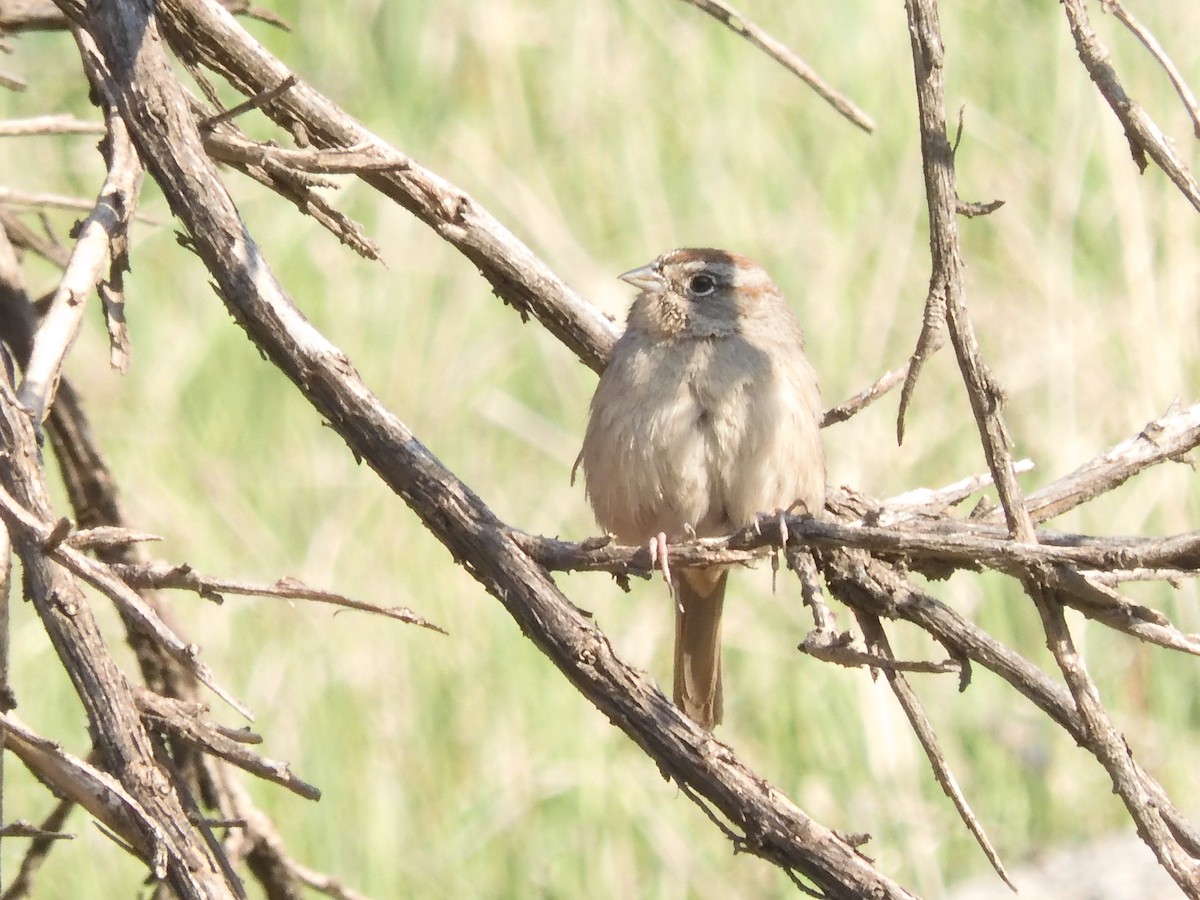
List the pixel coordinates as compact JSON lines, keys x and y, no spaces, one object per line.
{"x":603,"y":133}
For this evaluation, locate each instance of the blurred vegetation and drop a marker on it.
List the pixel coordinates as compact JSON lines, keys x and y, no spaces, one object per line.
{"x":603,"y":134}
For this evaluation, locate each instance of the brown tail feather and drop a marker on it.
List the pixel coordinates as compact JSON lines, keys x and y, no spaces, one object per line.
{"x":698,"y":605}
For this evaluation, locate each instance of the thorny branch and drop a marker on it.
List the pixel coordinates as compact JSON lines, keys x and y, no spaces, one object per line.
{"x":863,"y":548}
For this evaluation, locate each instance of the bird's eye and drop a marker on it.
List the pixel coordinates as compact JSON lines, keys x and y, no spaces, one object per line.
{"x":702,"y":284}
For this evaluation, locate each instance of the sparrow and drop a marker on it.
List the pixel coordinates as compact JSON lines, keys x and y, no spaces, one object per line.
{"x":706,"y":416}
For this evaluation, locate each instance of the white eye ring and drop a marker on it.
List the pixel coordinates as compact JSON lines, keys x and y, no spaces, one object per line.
{"x":702,"y":285}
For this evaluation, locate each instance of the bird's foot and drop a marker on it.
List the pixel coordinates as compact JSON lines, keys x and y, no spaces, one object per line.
{"x":777,"y":518}
{"x":659,"y":557}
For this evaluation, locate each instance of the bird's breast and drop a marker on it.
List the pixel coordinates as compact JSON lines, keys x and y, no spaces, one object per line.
{"x":697,"y":436}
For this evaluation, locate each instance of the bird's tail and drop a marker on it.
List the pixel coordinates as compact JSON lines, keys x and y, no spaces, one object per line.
{"x":698,"y":604}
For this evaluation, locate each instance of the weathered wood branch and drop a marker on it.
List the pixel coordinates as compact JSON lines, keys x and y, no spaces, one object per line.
{"x":156,"y":110}
{"x":163,"y":837}
{"x":1143,"y":134}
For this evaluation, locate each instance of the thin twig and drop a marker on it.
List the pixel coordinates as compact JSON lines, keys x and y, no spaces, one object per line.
{"x":946,"y":284}
{"x":184,"y":577}
{"x":927,"y":501}
{"x":84,"y":784}
{"x":1112,"y":750}
{"x":231,"y":147}
{"x":739,"y":24}
{"x":1168,"y":438}
{"x":515,"y":273}
{"x":103,"y":579}
{"x":1151,"y":43}
{"x":185,"y":721}
{"x":47,"y":125}
{"x":1105,"y":605}
{"x":1144,"y":136}
{"x":22,"y":885}
{"x":931,"y":339}
{"x":158,"y":825}
{"x":250,"y":103}
{"x":877,"y":640}
{"x":865,"y":397}
{"x":877,"y":587}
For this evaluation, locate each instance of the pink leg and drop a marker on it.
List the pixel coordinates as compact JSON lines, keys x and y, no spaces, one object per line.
{"x":658,"y":555}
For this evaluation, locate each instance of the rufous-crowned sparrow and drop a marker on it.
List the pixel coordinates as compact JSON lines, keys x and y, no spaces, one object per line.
{"x":707,"y":415}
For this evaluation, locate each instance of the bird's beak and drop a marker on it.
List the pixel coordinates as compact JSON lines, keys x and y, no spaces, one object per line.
{"x":648,"y":278}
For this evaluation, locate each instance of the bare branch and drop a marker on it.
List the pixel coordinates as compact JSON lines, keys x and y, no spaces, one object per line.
{"x":99,"y":252}
{"x":155,"y":108}
{"x":163,"y":835}
{"x":23,"y":236}
{"x":516,"y":275}
{"x":103,"y":579}
{"x":924,"y":501}
{"x":864,"y":547}
{"x":929,"y":342}
{"x":21,"y":886}
{"x":1144,"y":136}
{"x":184,"y":577}
{"x":185,"y":721}
{"x":230,"y":147}
{"x":877,"y":640}
{"x":1168,"y":438}
{"x":740,"y":25}
{"x":936,"y":542}
{"x":1113,"y":752}
{"x":1151,"y":43}
{"x":13,"y":197}
{"x":865,"y":397}
{"x":96,"y":791}
{"x":18,"y":16}
{"x":1103,"y":604}
{"x":946,"y":285}
{"x":51,"y":124}
{"x":876,"y":587}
